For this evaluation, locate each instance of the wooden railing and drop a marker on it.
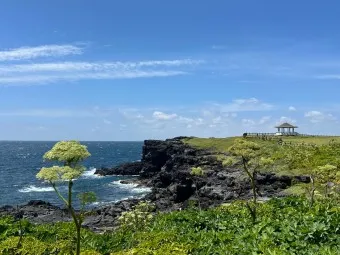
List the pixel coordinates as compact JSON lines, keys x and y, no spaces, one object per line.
{"x":286,"y":134}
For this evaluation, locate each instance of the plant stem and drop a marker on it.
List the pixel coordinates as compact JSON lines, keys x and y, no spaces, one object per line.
{"x":21,"y":230}
{"x":252,"y":210}
{"x":312,"y":191}
{"x":252,"y":179}
{"x":68,"y":202}
{"x":70,"y":184}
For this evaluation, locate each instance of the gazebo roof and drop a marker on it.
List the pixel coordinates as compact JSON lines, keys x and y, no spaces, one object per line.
{"x":286,"y":125}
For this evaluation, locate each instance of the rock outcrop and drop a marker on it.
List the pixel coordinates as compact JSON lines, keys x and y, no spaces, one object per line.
{"x":166,"y":165}
{"x":37,"y":211}
{"x":166,"y":168}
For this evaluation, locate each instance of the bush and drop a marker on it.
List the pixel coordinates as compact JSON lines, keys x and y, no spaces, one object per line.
{"x":229,"y":161}
{"x":197,"y":171}
{"x":138,"y":217}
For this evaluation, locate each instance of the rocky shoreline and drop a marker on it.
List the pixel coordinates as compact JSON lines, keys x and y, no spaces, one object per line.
{"x":165,"y":167}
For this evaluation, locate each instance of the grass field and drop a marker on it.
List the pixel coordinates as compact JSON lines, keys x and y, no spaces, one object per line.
{"x":222,"y":144}
{"x":218,"y":144}
{"x":318,"y":140}
{"x":296,"y":157}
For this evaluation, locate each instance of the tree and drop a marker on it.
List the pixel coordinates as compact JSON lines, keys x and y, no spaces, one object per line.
{"x":70,"y":154}
{"x":252,"y":161}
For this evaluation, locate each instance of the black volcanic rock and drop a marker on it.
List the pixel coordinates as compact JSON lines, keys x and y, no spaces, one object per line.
{"x":166,"y":168}
{"x":133,"y":168}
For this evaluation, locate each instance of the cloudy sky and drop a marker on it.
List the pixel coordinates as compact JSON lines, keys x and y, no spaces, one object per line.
{"x":132,"y":70}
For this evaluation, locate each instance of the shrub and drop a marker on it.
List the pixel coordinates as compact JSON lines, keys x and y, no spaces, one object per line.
{"x":138,"y":217}
{"x":229,"y":161}
{"x":197,"y":171}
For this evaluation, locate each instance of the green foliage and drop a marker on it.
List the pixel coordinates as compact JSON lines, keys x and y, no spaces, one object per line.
{"x":286,"y":226}
{"x":229,"y":161}
{"x":69,"y":154}
{"x":87,"y":198}
{"x":218,"y":144}
{"x":327,"y":173}
{"x":252,"y":160}
{"x":138,"y":217}
{"x":302,"y":155}
{"x":29,"y":245}
{"x":245,"y":149}
{"x":197,"y":171}
{"x":59,"y":173}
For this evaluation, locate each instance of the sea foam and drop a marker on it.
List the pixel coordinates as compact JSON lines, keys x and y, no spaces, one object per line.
{"x":33,"y":188}
{"x":89,"y":174}
{"x":133,"y":187}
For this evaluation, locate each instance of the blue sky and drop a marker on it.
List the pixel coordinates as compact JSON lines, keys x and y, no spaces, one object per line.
{"x":132,"y":70}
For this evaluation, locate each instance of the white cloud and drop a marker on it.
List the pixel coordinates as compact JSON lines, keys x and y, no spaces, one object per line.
{"x":107,"y":122}
{"x":53,"y":50}
{"x":243,"y":105}
{"x":163,"y":116}
{"x":329,"y":77}
{"x":43,"y":79}
{"x":264,"y":120}
{"x":91,"y":66}
{"x":199,"y":122}
{"x":248,"y":122}
{"x":291,"y":108}
{"x":285,"y":119}
{"x":26,"y":73}
{"x":317,"y":116}
{"x":40,"y":73}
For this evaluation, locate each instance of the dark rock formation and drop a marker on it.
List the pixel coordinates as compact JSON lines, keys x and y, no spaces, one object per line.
{"x":37,"y":211}
{"x":133,"y":168}
{"x":166,"y":167}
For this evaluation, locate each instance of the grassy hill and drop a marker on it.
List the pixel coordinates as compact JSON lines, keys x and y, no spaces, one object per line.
{"x":222,"y":144}
{"x":295,"y":156}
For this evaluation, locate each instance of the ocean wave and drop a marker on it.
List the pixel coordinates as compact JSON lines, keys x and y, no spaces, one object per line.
{"x":133,"y":187}
{"x":33,"y":188}
{"x":124,"y":185}
{"x":141,"y":190}
{"x":103,"y":203}
{"x":89,"y":174}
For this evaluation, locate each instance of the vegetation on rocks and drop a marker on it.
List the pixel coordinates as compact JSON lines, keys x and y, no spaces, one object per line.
{"x":284,"y":226}
{"x":306,"y":222}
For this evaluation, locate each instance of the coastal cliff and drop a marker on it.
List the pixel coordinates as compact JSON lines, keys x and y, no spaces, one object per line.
{"x":166,"y":167}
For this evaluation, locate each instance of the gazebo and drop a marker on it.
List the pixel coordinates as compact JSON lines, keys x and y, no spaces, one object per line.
{"x":286,"y":129}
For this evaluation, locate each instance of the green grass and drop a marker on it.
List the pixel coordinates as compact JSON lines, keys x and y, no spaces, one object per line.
{"x":216,"y":144}
{"x":297,"y":158}
{"x":222,"y":144}
{"x":284,"y":227}
{"x":322,"y":140}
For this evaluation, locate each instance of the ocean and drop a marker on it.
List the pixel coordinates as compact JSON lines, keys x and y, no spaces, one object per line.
{"x":21,"y":161}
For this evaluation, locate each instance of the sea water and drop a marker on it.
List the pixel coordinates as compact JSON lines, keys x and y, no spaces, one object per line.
{"x":21,"y":161}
